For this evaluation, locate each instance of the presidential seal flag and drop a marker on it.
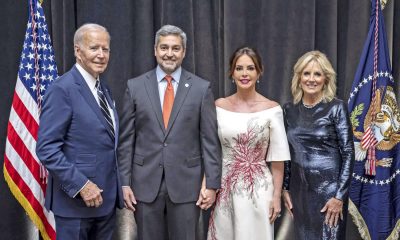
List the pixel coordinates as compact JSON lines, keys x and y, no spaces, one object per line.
{"x":375,"y":187}
{"x":23,"y":172}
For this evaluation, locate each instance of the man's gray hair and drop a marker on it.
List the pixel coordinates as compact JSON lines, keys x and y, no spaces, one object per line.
{"x":80,"y":32}
{"x":170,"y":30}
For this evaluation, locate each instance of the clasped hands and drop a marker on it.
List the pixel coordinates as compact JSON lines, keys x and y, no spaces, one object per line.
{"x":206,"y":198}
{"x":91,"y":195}
{"x":205,"y":201}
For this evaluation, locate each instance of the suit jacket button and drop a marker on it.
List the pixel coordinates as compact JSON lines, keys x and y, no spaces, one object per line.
{"x":165,"y":144}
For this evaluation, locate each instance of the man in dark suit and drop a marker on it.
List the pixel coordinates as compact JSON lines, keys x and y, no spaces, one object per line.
{"x":168,"y":144}
{"x":77,"y":143}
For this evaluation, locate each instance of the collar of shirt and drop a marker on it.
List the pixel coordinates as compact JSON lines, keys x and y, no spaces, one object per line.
{"x":175,"y":75}
{"x":89,"y":79}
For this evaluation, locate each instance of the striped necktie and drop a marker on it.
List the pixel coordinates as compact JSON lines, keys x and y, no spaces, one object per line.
{"x":104,"y":107}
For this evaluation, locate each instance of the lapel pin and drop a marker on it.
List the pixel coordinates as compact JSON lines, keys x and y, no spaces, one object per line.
{"x":186,"y":84}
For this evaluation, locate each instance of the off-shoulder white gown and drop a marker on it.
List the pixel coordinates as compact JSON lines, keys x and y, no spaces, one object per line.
{"x":249,"y":141}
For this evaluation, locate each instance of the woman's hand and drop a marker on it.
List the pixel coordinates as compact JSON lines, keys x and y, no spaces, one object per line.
{"x":287,"y":201}
{"x":334,"y":211}
{"x":277,"y":178}
{"x":274,"y":209}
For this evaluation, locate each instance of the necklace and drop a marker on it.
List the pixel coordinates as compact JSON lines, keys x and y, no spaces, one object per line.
{"x":309,"y":106}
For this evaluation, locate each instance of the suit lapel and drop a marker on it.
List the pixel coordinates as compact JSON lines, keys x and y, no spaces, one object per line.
{"x":88,"y":96}
{"x":154,"y":96}
{"x":183,"y":89}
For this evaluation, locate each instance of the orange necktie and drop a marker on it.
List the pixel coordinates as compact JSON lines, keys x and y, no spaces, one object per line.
{"x":168,"y":100}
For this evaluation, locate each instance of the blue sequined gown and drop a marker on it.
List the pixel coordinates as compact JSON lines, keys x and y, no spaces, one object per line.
{"x":322,"y":154}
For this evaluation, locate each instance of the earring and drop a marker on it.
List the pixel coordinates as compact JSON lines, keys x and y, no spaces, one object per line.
{"x":233,"y":81}
{"x":258,"y":81}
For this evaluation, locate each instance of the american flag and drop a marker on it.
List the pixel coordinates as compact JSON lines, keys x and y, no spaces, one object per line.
{"x":23,"y":172}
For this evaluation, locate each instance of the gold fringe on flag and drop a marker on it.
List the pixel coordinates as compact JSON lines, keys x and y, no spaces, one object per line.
{"x":362,"y":226}
{"x":25,"y":204}
{"x":359,"y":221}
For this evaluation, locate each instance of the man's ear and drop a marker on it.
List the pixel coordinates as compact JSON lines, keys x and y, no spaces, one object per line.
{"x":76,"y":51}
{"x":184,"y":53}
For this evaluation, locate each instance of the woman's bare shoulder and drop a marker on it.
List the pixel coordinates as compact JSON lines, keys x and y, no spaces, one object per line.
{"x":266,"y":103}
{"x":223,"y":103}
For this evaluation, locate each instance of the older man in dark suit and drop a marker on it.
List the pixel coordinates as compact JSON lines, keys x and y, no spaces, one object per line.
{"x":169,"y":144}
{"x":77,"y":143}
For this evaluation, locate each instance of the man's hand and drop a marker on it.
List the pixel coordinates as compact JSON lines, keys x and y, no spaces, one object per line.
{"x":129,"y":198}
{"x":91,"y":195}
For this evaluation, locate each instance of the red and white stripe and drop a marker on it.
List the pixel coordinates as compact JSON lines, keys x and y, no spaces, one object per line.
{"x":368,"y":139}
{"x":21,"y":165}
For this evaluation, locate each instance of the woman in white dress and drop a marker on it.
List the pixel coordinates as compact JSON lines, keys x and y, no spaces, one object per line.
{"x":252,"y":134}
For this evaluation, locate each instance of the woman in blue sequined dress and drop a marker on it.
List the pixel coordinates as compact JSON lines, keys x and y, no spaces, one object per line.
{"x":317,"y":179}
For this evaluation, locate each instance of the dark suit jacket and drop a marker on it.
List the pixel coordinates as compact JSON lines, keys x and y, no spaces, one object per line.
{"x":184,"y":152}
{"x":75,"y":144}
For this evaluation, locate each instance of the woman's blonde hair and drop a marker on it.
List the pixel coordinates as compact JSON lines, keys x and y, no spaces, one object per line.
{"x":329,"y":89}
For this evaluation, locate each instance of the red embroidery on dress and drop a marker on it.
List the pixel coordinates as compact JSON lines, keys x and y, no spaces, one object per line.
{"x":245,"y":163}
{"x":211,"y":227}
